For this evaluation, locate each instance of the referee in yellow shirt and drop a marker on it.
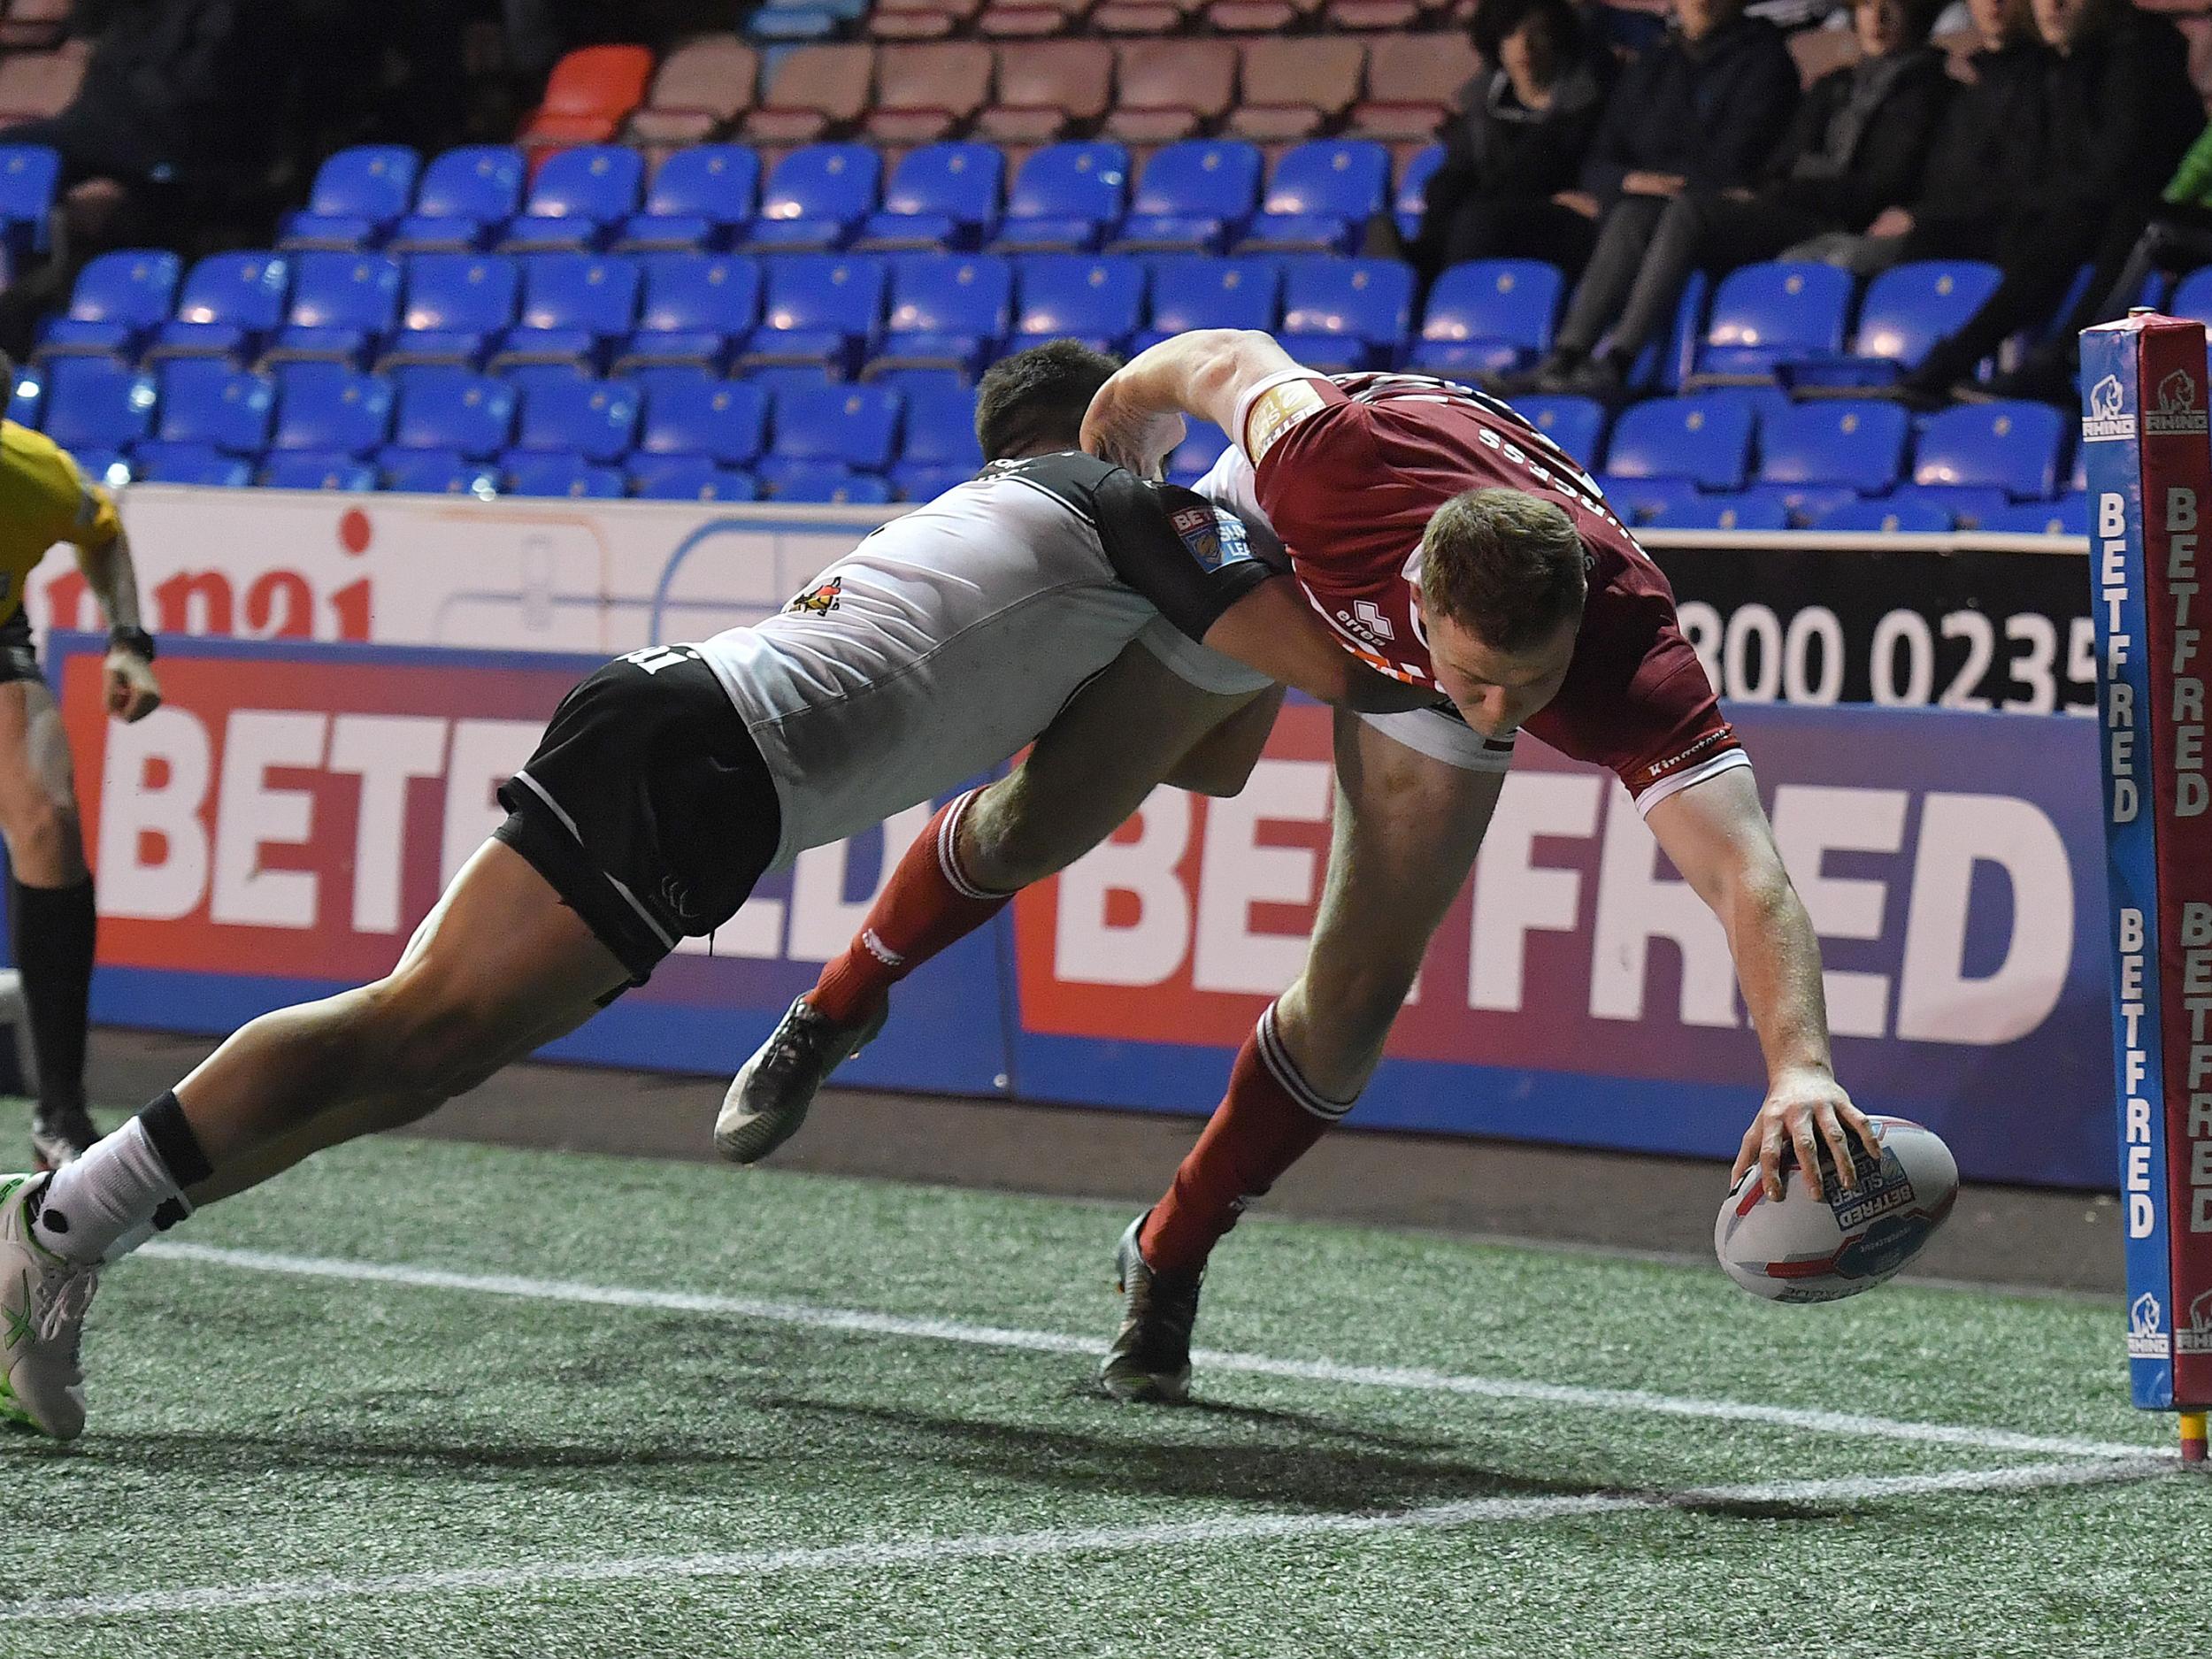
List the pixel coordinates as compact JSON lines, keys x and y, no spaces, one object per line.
{"x":43,"y":500}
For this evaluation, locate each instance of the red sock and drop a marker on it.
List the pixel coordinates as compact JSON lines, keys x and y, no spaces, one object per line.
{"x":925,"y":905}
{"x":1268,"y":1120}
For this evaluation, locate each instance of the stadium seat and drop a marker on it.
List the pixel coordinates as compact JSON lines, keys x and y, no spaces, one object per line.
{"x":1412,"y":81}
{"x":573,"y":306}
{"x":920,"y":20}
{"x":230,"y":303}
{"x":1410,"y":204}
{"x":588,"y":97}
{"x":29,"y":176}
{"x":579,"y":197}
{"x":464,"y":196}
{"x":1097,"y":301}
{"x":2193,"y":296}
{"x":689,"y":478}
{"x":1171,"y":89}
{"x":2069,"y":515}
{"x":1577,"y":424}
{"x":724,"y":422}
{"x":781,"y":25}
{"x":1045,"y":89}
{"x":2013,"y":446}
{"x":1064,"y":199}
{"x":1193,"y":292}
{"x":828,"y":484}
{"x":27,"y":398}
{"x":850,"y":426}
{"x":1639,"y":500}
{"x":1029,"y":21}
{"x":773,"y":377}
{"x":940,"y":448}
{"x":698,"y":307}
{"x":1260,"y":17}
{"x":317,"y":469}
{"x":1297,"y":86}
{"x":1706,"y":440}
{"x":1149,"y":19}
{"x":701,"y":197}
{"x":812,"y":92}
{"x":1767,"y":313}
{"x":1193,"y":195}
{"x":1912,"y":515}
{"x":1852,"y":444}
{"x":558,"y":474}
{"x":1489,"y":314}
{"x":1202,"y":445}
{"x":436,"y":472}
{"x":342,"y":306}
{"x":941,"y":195}
{"x":98,"y":403}
{"x":450,"y":408}
{"x":457,"y":304}
{"x":926,"y":481}
{"x":926,"y":93}
{"x":820,"y":309}
{"x":119,"y":300}
{"x":946,"y":311}
{"x":358,"y":196}
{"x":816,"y":198}
{"x":1907,"y":309}
{"x":596,"y":419}
{"x":204,"y":401}
{"x":701,"y":88}
{"x":190,"y":464}
{"x":1345,"y":314}
{"x":1719,"y":513}
{"x":1965,"y":506}
{"x":1320,"y":198}
{"x":329,"y":408}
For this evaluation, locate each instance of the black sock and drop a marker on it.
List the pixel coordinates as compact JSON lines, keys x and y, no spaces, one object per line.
{"x":175,"y":1141}
{"x":55,"y":929}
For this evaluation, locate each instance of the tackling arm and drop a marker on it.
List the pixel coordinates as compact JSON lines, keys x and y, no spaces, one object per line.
{"x":1137,"y":417}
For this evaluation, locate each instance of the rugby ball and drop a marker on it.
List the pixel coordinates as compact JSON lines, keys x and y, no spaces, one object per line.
{"x":1824,"y":1241}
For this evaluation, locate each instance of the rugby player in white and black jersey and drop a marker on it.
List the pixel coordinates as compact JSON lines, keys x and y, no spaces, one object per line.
{"x":666,"y":784}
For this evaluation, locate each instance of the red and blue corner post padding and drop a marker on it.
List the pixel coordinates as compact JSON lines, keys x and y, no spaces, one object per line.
{"x":2149,"y":469}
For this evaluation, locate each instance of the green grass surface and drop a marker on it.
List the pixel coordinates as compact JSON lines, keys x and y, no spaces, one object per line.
{"x":252,"y":1427}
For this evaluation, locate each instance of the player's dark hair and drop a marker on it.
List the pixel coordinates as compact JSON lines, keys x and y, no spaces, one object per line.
{"x":1507,"y":565}
{"x":1036,"y":399}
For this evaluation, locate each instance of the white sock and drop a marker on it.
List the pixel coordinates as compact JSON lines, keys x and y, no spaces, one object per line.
{"x":113,"y":1189}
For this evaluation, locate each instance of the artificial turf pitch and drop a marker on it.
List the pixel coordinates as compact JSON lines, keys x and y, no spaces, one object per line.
{"x":428,"y":1398}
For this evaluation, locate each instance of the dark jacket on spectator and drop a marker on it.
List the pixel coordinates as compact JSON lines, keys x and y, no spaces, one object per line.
{"x":1494,"y":146}
{"x":182,"y":86}
{"x":1859,"y":138}
{"x":2121,"y":113}
{"x":1711,"y":111}
{"x":1988,"y":152}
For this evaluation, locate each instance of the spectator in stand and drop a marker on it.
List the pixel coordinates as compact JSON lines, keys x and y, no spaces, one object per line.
{"x":1855,"y":148}
{"x":2118,"y":113}
{"x":1514,"y":149}
{"x":1700,"y":112}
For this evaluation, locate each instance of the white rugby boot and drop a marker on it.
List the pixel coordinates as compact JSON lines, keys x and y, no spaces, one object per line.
{"x":42,"y":1303}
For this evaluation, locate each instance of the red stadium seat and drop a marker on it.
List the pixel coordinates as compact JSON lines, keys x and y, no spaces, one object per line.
{"x":1031,"y":19}
{"x":816,"y":92}
{"x":1172,"y":89}
{"x":590,"y":93}
{"x":926,"y":92}
{"x":34,"y":24}
{"x":1411,"y":81}
{"x":703,"y":85}
{"x":1046,"y":87}
{"x":1294,"y":88}
{"x":37,"y":84}
{"x":1259,"y":17}
{"x":1144,"y":17}
{"x":1355,"y":17}
{"x":920,"y":20}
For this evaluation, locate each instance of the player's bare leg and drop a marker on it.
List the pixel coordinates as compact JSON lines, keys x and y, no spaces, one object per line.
{"x":1405,"y":832}
{"x":1109,"y":747}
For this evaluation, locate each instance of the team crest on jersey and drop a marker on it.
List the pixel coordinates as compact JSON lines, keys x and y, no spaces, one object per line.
{"x":818,"y":602}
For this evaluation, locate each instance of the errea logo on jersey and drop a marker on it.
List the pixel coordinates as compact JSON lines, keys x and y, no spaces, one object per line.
{"x":2178,"y":412}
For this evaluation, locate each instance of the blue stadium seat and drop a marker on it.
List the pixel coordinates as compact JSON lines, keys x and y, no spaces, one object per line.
{"x":2193,"y":296}
{"x":852,"y":425}
{"x":358,"y":196}
{"x":689,"y":478}
{"x":1411,"y":200}
{"x":98,"y":403}
{"x":436,"y":472}
{"x":941,"y":195}
{"x":464,"y":196}
{"x":1320,"y":198}
{"x":1097,"y":301}
{"x":1909,"y":307}
{"x":920,"y":481}
{"x":1854,"y":443}
{"x":701,"y":197}
{"x":1346,"y":313}
{"x":159,"y":463}
{"x":820,"y":309}
{"x":1577,"y":424}
{"x":204,"y":401}
{"x":457,"y":304}
{"x":789,"y":26}
{"x":27,"y":398}
{"x":596,"y":419}
{"x":1706,"y":440}
{"x":1202,"y":445}
{"x":1770,"y":314}
{"x":698,"y":308}
{"x":450,"y":408}
{"x":721,"y":421}
{"x":579,"y":198}
{"x":940,"y":441}
{"x":816,"y":197}
{"x":828,"y":484}
{"x":342,"y":306}
{"x":573,"y":306}
{"x":1885,"y":516}
{"x":327,"y":407}
{"x":1064,"y":199}
{"x":525,"y":376}
{"x":1965,"y":506}
{"x":230,"y":303}
{"x":1192,"y":196}
{"x":1719,"y":513}
{"x":119,"y":299}
{"x":317,"y":469}
{"x":1639,"y":500}
{"x":103,"y":467}
{"x":550,"y":472}
{"x":773,"y":377}
{"x":1192,"y":291}
{"x":947,"y":310}
{"x":2013,"y":446}
{"x":2069,"y":515}
{"x":1488,"y":314}
{"x":29,"y":176}
{"x":1663,"y":365}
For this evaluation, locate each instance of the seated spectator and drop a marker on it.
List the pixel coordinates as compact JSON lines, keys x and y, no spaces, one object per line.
{"x":1855,"y":147}
{"x":1700,"y":112}
{"x":2118,"y":113}
{"x":1513,"y":147}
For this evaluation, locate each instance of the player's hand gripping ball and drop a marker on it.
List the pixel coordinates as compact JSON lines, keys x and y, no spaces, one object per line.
{"x":1824,"y":1241}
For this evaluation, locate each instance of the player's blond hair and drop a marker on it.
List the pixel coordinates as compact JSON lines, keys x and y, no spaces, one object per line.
{"x":1506,"y":564}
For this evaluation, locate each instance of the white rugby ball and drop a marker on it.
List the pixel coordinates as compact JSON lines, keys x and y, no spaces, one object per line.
{"x":1823,"y":1241}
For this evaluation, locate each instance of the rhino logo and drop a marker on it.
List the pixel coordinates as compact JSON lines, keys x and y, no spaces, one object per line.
{"x":2177,"y":394}
{"x":2104,"y":397}
{"x":2197,"y":1337}
{"x":2201,"y":1313}
{"x":2103,"y":422}
{"x":2143,"y":1316}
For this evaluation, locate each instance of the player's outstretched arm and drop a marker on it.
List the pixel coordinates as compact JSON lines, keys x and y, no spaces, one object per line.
{"x":1137,"y":417}
{"x":1273,"y":629}
{"x":1717,"y":835}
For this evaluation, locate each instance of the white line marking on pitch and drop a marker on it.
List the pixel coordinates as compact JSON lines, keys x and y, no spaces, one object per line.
{"x":1416,"y":1379}
{"x":764,"y":1563}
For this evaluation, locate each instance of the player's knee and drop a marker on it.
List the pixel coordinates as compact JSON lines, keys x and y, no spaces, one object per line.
{"x":1004,"y":845}
{"x":43,"y":838}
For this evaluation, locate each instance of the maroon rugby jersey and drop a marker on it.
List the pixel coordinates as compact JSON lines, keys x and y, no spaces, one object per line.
{"x":1349,"y":468}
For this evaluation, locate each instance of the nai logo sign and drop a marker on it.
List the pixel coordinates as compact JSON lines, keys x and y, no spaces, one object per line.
{"x":2147,"y":1339}
{"x":2104,"y":420}
{"x":2177,"y":410}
